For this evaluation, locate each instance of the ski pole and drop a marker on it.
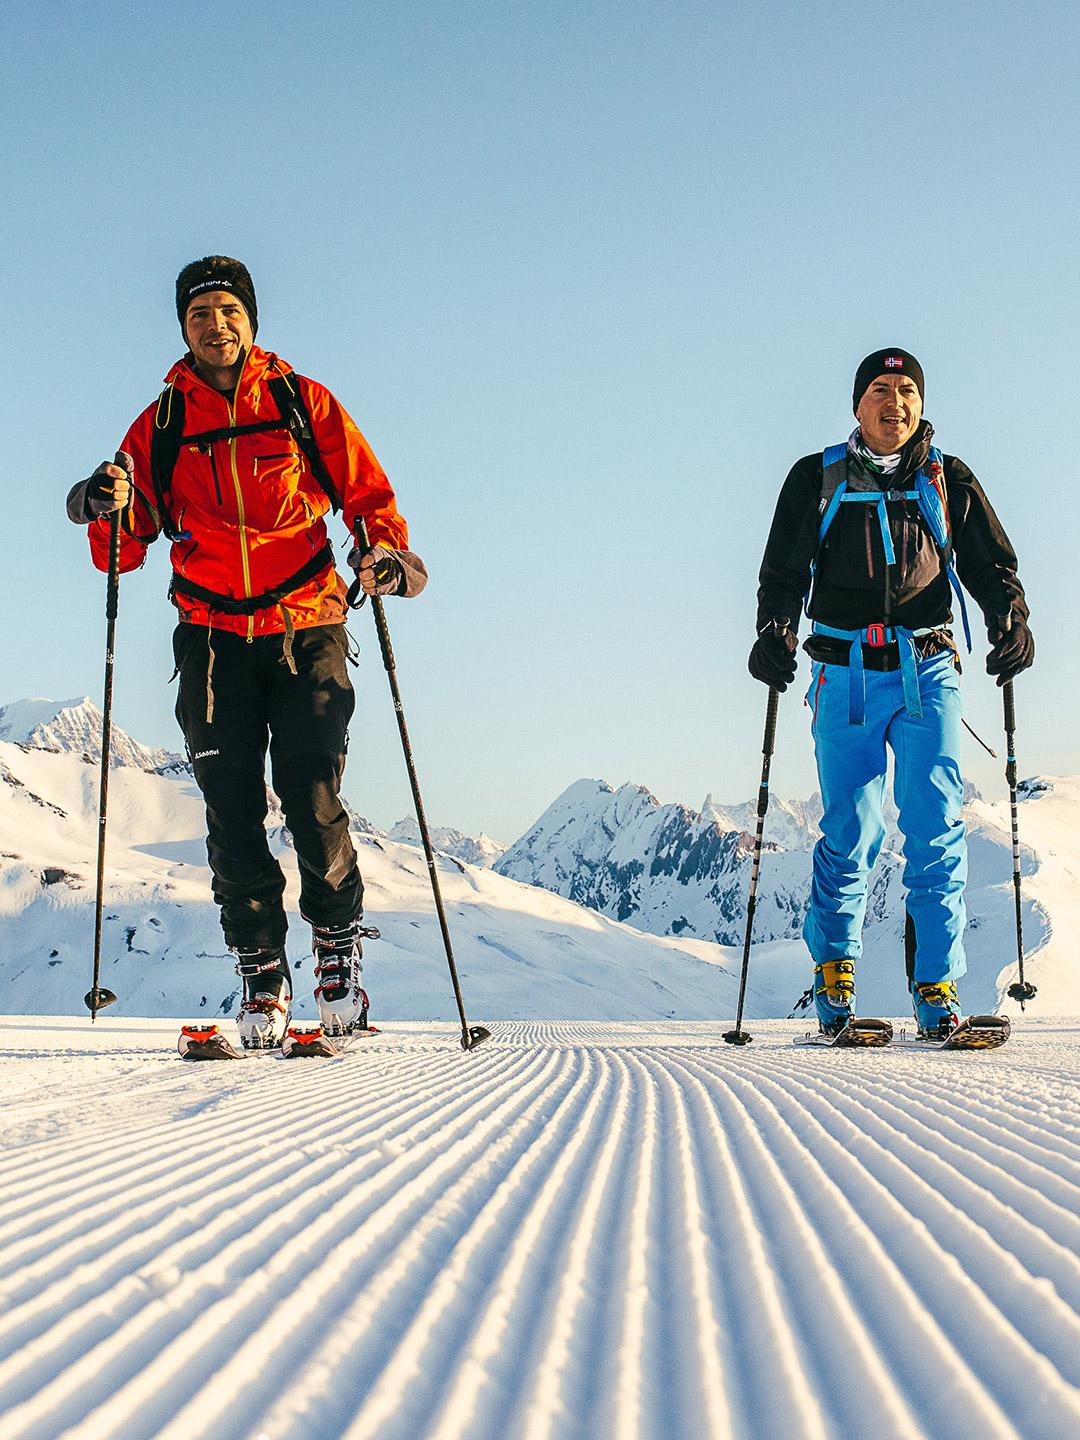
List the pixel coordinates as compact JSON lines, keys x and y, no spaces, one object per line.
{"x":1020,"y":989}
{"x":97,"y":997}
{"x":739,"y":1036}
{"x":471,"y":1035}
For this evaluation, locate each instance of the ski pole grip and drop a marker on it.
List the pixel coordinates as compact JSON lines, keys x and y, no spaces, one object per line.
{"x":770,"y":722}
{"x":112,"y":593}
{"x":355,"y":596}
{"x":1010,"y":709}
{"x":782,"y":624}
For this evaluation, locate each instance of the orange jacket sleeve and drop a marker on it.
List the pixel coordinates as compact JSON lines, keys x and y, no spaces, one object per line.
{"x":359,"y":479}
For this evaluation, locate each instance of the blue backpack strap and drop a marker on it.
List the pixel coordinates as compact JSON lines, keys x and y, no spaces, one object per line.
{"x":833,"y":485}
{"x":934,"y":509}
{"x":932,"y":502}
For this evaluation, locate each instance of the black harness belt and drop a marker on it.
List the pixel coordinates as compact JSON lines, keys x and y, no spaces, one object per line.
{"x":239,"y":605}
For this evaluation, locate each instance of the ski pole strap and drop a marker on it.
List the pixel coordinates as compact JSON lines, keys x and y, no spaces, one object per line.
{"x":241,"y":605}
{"x":875,"y":636}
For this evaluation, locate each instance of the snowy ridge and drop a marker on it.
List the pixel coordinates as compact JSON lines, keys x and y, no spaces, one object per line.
{"x":522,"y":951}
{"x":75,"y":726}
{"x":623,"y":1232}
{"x":670,"y":870}
{"x":666,"y":868}
{"x":474,"y":850}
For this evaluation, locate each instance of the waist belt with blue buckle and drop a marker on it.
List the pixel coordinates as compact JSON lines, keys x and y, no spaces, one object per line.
{"x":876,"y":636}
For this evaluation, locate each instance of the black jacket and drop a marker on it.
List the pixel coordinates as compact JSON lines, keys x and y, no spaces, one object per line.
{"x":853,"y":586}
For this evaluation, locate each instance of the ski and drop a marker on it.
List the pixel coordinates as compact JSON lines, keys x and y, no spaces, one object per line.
{"x":857,"y":1034}
{"x":307,"y":1042}
{"x":206,"y":1042}
{"x":975,"y":1032}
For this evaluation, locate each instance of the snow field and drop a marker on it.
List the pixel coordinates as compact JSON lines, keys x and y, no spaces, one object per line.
{"x":604,"y":1230}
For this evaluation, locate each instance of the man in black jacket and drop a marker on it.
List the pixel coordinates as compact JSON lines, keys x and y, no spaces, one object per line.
{"x":877,"y":531}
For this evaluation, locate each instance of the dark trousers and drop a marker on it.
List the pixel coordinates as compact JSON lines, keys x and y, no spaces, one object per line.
{"x":237,"y":698}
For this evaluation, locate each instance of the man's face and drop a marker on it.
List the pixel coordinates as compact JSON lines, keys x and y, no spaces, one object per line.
{"x":889,"y":413}
{"x":218,"y":329}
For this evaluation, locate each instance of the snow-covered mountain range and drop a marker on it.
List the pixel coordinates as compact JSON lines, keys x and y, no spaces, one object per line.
{"x":75,"y":726}
{"x":612,"y":906}
{"x":671,"y":870}
{"x":666,"y":868}
{"x":474,"y":850}
{"x":522,"y":952}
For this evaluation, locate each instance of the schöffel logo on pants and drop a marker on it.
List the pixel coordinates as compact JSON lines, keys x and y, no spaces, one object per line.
{"x":205,"y":754}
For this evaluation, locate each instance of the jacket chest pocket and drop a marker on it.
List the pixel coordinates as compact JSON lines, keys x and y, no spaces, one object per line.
{"x":275,"y":480}
{"x":280,"y":463}
{"x":274,"y":467}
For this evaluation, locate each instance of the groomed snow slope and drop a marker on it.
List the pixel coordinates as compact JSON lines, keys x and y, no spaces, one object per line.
{"x":611,"y":1231}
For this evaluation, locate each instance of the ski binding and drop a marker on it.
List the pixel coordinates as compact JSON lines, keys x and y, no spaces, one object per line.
{"x":856,"y":1035}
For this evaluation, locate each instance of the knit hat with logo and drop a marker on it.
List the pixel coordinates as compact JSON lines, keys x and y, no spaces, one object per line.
{"x":886,"y":362}
{"x":216,"y":272}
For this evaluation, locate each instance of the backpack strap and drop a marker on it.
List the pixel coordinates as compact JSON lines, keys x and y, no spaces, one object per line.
{"x":167,"y":437}
{"x":930,"y":495}
{"x":250,"y":605}
{"x":294,"y":411}
{"x":934,"y":508}
{"x":833,"y":488}
{"x":833,"y":485}
{"x":165,"y":440}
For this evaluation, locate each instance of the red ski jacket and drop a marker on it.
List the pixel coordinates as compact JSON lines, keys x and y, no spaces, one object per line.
{"x":250,"y":511}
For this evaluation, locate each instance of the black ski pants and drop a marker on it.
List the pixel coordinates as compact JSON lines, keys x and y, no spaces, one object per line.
{"x":237,"y":698}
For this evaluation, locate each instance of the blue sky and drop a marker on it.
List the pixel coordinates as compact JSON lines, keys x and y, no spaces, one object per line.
{"x":590,"y":277}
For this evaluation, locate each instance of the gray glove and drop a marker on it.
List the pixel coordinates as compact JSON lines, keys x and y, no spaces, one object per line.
{"x":380,"y":563}
{"x":109,"y":488}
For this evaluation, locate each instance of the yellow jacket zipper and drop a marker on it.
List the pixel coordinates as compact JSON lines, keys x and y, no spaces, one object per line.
{"x":244,"y":561}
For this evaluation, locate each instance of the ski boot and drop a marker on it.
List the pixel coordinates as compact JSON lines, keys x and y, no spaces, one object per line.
{"x":342,"y":1000}
{"x":834,"y":995}
{"x":264,"y":1010}
{"x":937,"y":1008}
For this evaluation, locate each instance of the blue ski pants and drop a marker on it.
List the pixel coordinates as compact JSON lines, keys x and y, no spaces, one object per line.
{"x":929,"y":791}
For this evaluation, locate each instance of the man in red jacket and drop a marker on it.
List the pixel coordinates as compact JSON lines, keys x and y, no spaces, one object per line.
{"x":238,"y":462}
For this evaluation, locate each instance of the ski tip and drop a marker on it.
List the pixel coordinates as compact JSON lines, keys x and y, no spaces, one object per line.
{"x":865,"y":1034}
{"x":200,"y":1041}
{"x":980,"y":1032}
{"x":869,"y":1034}
{"x":307,"y":1041}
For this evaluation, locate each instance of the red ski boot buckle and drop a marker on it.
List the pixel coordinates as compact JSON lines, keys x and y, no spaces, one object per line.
{"x":875,"y":635}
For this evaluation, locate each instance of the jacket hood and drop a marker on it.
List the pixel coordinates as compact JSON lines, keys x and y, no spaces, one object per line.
{"x":913,"y":455}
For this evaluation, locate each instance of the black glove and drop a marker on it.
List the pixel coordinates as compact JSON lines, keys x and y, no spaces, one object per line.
{"x":772,"y":660}
{"x":1014,"y":648}
{"x":389,"y":574}
{"x":99,"y":496}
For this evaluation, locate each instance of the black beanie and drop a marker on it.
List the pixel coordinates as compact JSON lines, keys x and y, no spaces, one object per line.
{"x":885,"y":362}
{"x":216,"y":272}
